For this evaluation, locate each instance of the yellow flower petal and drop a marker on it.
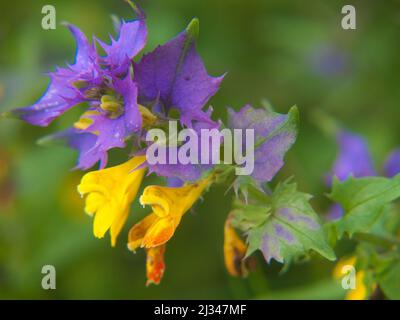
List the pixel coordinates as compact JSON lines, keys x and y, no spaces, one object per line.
{"x":235,"y":252}
{"x":85,"y":121}
{"x":148,"y":118}
{"x":109,"y":194}
{"x":345,"y":261}
{"x":173,"y":201}
{"x":158,"y":199}
{"x":360,"y":292}
{"x":160,"y":232}
{"x":103,"y":220}
{"x":94,"y":201}
{"x":117,"y":225}
{"x":169,"y":205}
{"x":138,"y":231}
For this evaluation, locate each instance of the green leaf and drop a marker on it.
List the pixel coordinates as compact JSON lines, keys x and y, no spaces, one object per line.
{"x":193,"y":29}
{"x":389,"y":281}
{"x":282,"y":225}
{"x":364,"y":201}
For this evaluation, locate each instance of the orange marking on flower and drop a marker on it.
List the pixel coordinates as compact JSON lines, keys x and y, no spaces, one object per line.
{"x":155,"y":265}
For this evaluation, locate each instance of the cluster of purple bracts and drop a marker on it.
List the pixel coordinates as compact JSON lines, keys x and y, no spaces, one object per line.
{"x":173,"y":75}
{"x":114,"y":87}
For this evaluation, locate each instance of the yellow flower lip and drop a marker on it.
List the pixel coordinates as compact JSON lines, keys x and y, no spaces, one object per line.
{"x":154,"y":198}
{"x":85,"y":188}
{"x":169,"y":205}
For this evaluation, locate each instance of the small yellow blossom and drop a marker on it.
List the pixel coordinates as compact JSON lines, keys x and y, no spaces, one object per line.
{"x":346,"y":261}
{"x":148,"y":118}
{"x":109,"y":195}
{"x":85,"y":121}
{"x":169,"y":205}
{"x":234,"y":252}
{"x":155,"y":265}
{"x":360,"y":292}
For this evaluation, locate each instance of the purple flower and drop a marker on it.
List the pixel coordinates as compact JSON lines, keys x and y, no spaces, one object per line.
{"x":104,"y":82}
{"x":83,"y":142}
{"x":174,"y":182}
{"x":353,"y":159}
{"x":174,"y":76}
{"x":274,"y":135}
{"x":329,"y":61}
{"x":335,"y":212}
{"x":392,"y":165}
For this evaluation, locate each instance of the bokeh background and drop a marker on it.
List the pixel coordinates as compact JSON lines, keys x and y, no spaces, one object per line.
{"x":288,"y":52}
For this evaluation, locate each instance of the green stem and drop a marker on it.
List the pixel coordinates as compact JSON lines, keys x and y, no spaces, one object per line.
{"x":325,"y":122}
{"x":377,"y":240}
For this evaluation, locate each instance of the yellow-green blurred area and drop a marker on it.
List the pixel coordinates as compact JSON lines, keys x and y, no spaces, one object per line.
{"x":288,"y":52}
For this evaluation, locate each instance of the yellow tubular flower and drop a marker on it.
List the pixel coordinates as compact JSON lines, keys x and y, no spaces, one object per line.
{"x":155,"y":265}
{"x":109,"y":195}
{"x":169,"y":205}
{"x":234,"y":252}
{"x":360,"y":292}
{"x":148,"y":118}
{"x":338,"y":269}
{"x":85,"y":121}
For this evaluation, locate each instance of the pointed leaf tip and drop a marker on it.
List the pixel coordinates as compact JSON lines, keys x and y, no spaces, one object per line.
{"x":135,"y":8}
{"x":44,"y":141}
{"x":193,"y":28}
{"x":294,"y":112}
{"x":52,"y":140}
{"x":8,"y":115}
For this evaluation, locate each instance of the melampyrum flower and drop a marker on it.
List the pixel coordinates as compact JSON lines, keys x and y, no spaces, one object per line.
{"x":109,"y":194}
{"x":169,"y":205}
{"x":104,"y":83}
{"x":361,"y":291}
{"x":235,"y":252}
{"x":125,"y":99}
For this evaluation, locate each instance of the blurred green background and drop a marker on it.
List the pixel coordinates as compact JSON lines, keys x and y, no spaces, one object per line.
{"x":289,"y":52}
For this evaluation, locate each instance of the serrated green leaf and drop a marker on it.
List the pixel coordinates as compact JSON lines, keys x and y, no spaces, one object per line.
{"x":364,"y":201}
{"x":283,"y":225}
